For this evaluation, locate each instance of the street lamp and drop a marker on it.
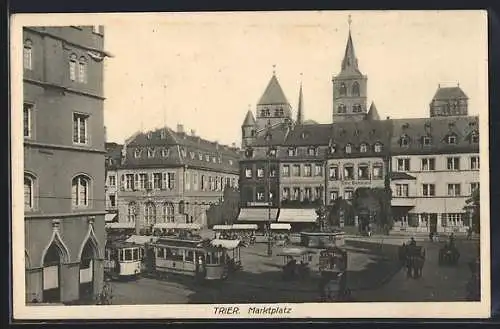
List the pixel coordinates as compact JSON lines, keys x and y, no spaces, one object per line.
{"x":268,"y":138}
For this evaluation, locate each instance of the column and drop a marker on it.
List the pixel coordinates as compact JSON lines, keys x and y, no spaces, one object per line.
{"x":70,"y":282}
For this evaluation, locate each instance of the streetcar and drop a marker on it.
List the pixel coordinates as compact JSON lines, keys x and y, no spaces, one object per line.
{"x":191,"y":256}
{"x":172,"y":229}
{"x":281,"y":233}
{"x":122,"y":260}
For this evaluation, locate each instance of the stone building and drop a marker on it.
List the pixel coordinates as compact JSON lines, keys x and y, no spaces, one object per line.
{"x":168,"y":176}
{"x":63,"y":162}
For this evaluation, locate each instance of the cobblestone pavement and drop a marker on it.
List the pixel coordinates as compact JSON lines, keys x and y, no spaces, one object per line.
{"x":438,"y":283}
{"x":259,"y":281}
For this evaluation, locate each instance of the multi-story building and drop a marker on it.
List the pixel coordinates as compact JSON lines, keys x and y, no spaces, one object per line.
{"x":113,"y":160}
{"x":435,"y":165}
{"x":63,"y":162}
{"x":172,"y":176}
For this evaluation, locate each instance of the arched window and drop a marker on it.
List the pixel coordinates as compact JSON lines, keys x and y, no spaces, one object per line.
{"x":28,"y":55}
{"x":51,"y":275}
{"x":341,"y":108}
{"x":29,"y":191}
{"x":150,"y":214}
{"x":343,"y":89}
{"x":151,"y":153}
{"x":137,"y":153}
{"x":168,"y":212}
{"x":72,"y":67}
{"x":80,"y":188}
{"x":355,"y":88}
{"x":82,"y":70}
{"x":181,"y":207}
{"x":87,"y":271}
{"x":131,"y":212}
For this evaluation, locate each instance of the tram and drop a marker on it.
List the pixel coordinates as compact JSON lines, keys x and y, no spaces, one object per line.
{"x":202,"y":259}
{"x":122,"y":260}
{"x":281,"y":233}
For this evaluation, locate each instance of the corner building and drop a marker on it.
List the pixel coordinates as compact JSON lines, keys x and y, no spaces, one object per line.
{"x":64,"y":162}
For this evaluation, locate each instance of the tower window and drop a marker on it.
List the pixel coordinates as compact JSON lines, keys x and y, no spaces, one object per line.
{"x":355,"y":89}
{"x":356,"y":108}
{"x":343,"y":89}
{"x":342,"y":108}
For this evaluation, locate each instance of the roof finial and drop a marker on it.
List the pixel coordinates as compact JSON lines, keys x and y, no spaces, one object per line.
{"x":458,"y":84}
{"x":349,"y":21}
{"x":301,"y":75}
{"x":274,"y":69}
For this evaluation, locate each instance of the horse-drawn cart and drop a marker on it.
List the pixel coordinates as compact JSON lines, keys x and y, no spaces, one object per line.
{"x":333,"y":270}
{"x":449,"y":255}
{"x":413,"y":257}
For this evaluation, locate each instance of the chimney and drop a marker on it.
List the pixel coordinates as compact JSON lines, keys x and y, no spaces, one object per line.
{"x":180,"y":129}
{"x":193,"y":132}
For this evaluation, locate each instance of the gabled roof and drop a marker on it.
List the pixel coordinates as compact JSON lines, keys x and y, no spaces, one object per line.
{"x":438,"y":129}
{"x":310,"y":135}
{"x":447,"y":93}
{"x":373,"y":113}
{"x":249,"y":119}
{"x":273,"y":94}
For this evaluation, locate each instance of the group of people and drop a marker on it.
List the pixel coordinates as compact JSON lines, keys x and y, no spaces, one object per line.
{"x":293,"y":270}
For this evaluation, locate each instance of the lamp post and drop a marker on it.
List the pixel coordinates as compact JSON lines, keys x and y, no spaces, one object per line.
{"x":269,"y":238}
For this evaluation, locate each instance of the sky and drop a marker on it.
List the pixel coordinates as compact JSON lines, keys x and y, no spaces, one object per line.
{"x":206,"y":70}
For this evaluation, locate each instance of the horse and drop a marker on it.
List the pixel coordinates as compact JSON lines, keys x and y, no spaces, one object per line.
{"x":415,"y":259}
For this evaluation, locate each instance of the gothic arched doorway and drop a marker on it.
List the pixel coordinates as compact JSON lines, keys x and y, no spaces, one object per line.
{"x":51,"y":275}
{"x":87,"y":272}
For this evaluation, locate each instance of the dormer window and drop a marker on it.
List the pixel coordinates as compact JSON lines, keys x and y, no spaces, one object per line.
{"x":214,"y":159}
{"x":377,"y":148}
{"x":137,"y":153}
{"x":363,"y":148}
{"x":207,"y":158}
{"x":183,"y":152}
{"x":163,"y":134}
{"x":426,"y":141}
{"x":304,"y":135}
{"x":200,"y":156}
{"x":474,"y":138}
{"x":164,"y":153}
{"x":405,"y":140}
{"x":348,"y":148}
{"x":292,"y":152}
{"x":149,"y":135}
{"x":249,"y":153}
{"x":312,"y":151}
{"x":151,"y":153}
{"x":332,"y":149}
{"x":191,"y":154}
{"x":451,"y":139}
{"x":272,"y":152}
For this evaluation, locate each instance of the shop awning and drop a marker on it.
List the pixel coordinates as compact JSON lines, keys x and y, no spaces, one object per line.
{"x":244,"y":227}
{"x":178,"y":226}
{"x":109,"y":217}
{"x":221,"y":227}
{"x":226,"y":244}
{"x":281,"y":226}
{"x":257,"y":214}
{"x":141,"y":239}
{"x":288,"y":215}
{"x":120,"y":225}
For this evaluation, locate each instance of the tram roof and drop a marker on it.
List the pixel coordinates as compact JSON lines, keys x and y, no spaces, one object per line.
{"x":178,"y":242}
{"x":121,"y":244}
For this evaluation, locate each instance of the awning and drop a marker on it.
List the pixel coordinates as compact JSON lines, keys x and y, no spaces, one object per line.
{"x":294,"y":252}
{"x":178,"y":226}
{"x":221,"y":227}
{"x":109,"y":217}
{"x":120,"y":225}
{"x":257,"y":214}
{"x":244,"y":227}
{"x":141,"y":239}
{"x":226,"y":244}
{"x":289,"y":215}
{"x":281,"y":226}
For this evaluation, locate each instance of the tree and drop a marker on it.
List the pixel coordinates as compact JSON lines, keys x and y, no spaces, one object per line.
{"x":374,"y":201}
{"x":472,"y":206}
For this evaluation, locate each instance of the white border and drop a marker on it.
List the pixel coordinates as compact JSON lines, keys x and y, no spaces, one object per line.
{"x":305,"y":310}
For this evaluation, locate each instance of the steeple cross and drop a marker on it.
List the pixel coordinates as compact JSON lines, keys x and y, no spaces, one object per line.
{"x":349,"y":21}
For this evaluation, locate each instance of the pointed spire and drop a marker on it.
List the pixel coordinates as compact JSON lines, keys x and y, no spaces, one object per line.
{"x":300,"y":110}
{"x":249,"y":119}
{"x":373,"y":112}
{"x":273,"y":94}
{"x":350,"y":62}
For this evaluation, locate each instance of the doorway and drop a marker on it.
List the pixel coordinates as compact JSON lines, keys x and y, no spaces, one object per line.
{"x":87,"y":272}
{"x":433,"y":223}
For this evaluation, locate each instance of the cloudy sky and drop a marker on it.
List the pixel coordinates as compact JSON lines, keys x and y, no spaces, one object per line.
{"x":206,"y":70}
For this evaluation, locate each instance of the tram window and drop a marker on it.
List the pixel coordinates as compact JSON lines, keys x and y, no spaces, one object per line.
{"x":189,"y":256}
{"x":142,"y":253}
{"x":128,"y":254}
{"x":160,"y":253}
{"x":174,"y":254}
{"x":136,"y":254}
{"x":121,"y":255}
{"x":213,"y":258}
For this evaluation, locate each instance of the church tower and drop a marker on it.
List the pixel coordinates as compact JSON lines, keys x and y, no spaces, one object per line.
{"x":273,"y":107}
{"x":248,"y":130}
{"x":349,"y":87}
